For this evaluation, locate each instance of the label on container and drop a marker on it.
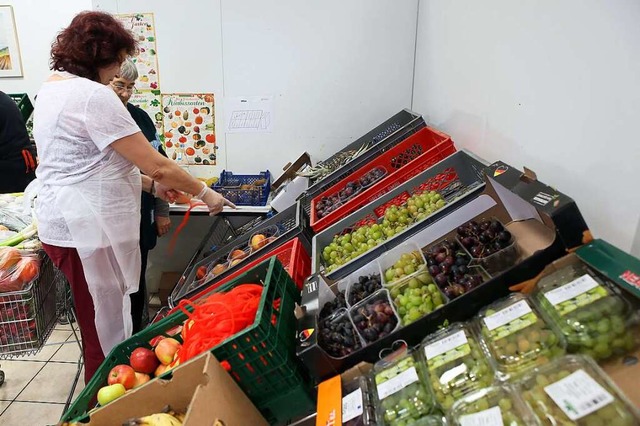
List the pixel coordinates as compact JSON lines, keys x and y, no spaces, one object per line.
{"x":584,"y":290}
{"x":510,"y":319}
{"x":397,"y":383}
{"x":490,"y":417}
{"x":578,"y":395}
{"x":447,"y":349}
{"x":352,"y":406}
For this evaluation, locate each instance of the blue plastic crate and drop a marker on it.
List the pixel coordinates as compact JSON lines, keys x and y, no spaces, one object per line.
{"x":230,"y":186}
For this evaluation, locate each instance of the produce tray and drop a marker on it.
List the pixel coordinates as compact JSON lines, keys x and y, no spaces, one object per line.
{"x":24,"y":104}
{"x":289,"y":224}
{"x":411,"y":156}
{"x":458,"y":178}
{"x":386,"y":135}
{"x":230,"y":186}
{"x":261,"y":357}
{"x":292,"y":255}
{"x":28,"y":316}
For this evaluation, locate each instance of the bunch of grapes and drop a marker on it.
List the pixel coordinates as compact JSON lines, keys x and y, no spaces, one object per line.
{"x":485,"y":238}
{"x":448,"y":265}
{"x":375,"y":318}
{"x":363,"y":288}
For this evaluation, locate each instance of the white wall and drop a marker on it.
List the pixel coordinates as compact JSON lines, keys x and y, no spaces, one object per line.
{"x":38,"y":22}
{"x":335,"y":68}
{"x":552,"y":85}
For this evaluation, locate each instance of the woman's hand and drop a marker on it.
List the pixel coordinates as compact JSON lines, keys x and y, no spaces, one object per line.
{"x":164,"y":193}
{"x":215,"y":201}
{"x":163,"y":224}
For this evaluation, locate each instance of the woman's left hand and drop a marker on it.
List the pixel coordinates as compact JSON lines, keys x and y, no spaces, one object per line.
{"x":164,"y":193}
{"x":163,"y":224}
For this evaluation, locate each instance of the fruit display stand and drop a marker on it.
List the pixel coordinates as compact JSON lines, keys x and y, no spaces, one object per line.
{"x":457,"y":179}
{"x":535,"y":234}
{"x":261,"y":357}
{"x":413,"y":155}
{"x":282,"y":227}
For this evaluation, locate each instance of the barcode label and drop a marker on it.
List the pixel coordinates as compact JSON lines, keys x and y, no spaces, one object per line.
{"x":398,"y":383}
{"x":490,"y":417}
{"x":578,"y":395}
{"x":571,"y":290}
{"x":352,"y":406}
{"x":445,"y":344}
{"x":507,"y":315}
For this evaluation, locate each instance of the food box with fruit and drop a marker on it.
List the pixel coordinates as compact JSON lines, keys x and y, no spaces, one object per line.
{"x":242,"y":250}
{"x":591,"y":313}
{"x":195,"y":392}
{"x":466,"y":287}
{"x":394,"y":166}
{"x":516,"y":336}
{"x":361,"y":151}
{"x":244,"y":190}
{"x":573,"y":390}
{"x":346,"y":399}
{"x":402,"y":395}
{"x":494,"y":405}
{"x":391,"y":218}
{"x":456,"y":364}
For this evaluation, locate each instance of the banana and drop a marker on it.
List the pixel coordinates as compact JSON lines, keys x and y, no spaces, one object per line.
{"x":158,"y":419}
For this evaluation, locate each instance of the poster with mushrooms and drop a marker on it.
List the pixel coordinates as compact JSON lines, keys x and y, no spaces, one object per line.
{"x":189,"y":128}
{"x":142,"y":25}
{"x":151,"y":102}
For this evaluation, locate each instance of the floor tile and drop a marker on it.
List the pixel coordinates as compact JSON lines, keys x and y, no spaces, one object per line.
{"x":69,"y":352}
{"x":3,"y":406}
{"x":17,"y":374}
{"x":54,"y":342}
{"x":80,"y":385}
{"x":52,"y":384}
{"x":32,"y":413}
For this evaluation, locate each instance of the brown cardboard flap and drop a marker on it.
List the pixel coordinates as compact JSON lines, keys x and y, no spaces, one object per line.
{"x":531,"y":235}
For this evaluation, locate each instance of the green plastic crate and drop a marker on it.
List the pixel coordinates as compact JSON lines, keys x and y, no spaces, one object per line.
{"x":262,"y":356}
{"x":295,"y":403}
{"x":24,"y":104}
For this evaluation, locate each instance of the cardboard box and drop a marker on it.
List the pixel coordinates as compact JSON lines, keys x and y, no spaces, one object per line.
{"x":168,"y":281}
{"x":538,"y":242}
{"x":200,"y":387}
{"x":329,"y":410}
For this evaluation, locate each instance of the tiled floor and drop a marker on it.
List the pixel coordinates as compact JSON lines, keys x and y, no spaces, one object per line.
{"x":36,"y":387}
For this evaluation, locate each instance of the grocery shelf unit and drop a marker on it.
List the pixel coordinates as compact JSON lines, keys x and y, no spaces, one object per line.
{"x":289,"y":223}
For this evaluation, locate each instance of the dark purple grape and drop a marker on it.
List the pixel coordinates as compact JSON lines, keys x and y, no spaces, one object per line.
{"x":449,"y":260}
{"x":441,"y":257}
{"x":504,"y":236}
{"x":467,"y":242}
{"x":462,"y":231}
{"x":434,"y":270}
{"x":441,"y":280}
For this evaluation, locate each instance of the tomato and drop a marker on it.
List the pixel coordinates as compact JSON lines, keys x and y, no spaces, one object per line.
{"x":201,"y":272}
{"x":182,"y":139}
{"x":168,"y":144}
{"x":27,"y":270}
{"x":198,"y":120}
{"x":196,"y":111}
{"x":9,"y":257}
{"x":210,"y":138}
{"x":190,"y":151}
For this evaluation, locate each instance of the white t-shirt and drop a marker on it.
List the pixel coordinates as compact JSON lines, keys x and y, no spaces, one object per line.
{"x":75,"y":121}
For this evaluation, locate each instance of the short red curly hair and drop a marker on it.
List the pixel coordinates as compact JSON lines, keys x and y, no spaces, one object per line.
{"x":92,"y":41}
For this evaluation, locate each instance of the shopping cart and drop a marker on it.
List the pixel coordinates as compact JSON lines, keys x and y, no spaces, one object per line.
{"x":28,"y":316}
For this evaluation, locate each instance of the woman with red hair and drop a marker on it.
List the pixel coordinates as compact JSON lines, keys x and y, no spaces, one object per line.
{"x":91,"y":154}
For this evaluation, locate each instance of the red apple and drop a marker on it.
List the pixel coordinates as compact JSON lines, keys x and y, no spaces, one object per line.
{"x":123,"y":374}
{"x":166,"y":350}
{"x":143,"y":360}
{"x":141,"y":379}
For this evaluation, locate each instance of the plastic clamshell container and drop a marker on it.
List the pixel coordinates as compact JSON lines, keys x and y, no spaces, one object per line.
{"x":414,"y":264}
{"x":430,"y":421}
{"x":368,"y":271}
{"x":362,"y":315}
{"x":235,"y":254}
{"x":356,"y":405}
{"x":337,"y":334}
{"x":494,"y":405}
{"x":456,"y":364}
{"x":270,"y":234}
{"x":499,"y":261}
{"x":594,"y":319}
{"x":402,"y":396}
{"x":517,"y":336}
{"x":416,"y":297}
{"x":550,"y":392}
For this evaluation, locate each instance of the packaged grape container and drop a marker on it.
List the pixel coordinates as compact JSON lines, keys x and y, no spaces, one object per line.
{"x":337,"y":334}
{"x":402,"y":396}
{"x":416,"y":298}
{"x":489,"y":244}
{"x":430,"y":421}
{"x":403,"y":263}
{"x":357,"y":409}
{"x":573,"y":390}
{"x":498,"y":405}
{"x":516,"y":336}
{"x":456,"y":364}
{"x":594,"y":319}
{"x":362,"y":283}
{"x":375,"y":317}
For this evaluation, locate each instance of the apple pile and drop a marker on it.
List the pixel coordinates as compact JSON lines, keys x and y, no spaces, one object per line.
{"x":143,"y":364}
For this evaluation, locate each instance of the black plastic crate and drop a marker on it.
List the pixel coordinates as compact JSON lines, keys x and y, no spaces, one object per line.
{"x":381,"y":138}
{"x":290,"y":225}
{"x":24,"y":104}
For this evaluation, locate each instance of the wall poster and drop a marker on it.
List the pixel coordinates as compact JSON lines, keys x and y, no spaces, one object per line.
{"x":10,"y":59}
{"x":151,"y":102}
{"x":189,"y":128}
{"x":142,"y":25}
